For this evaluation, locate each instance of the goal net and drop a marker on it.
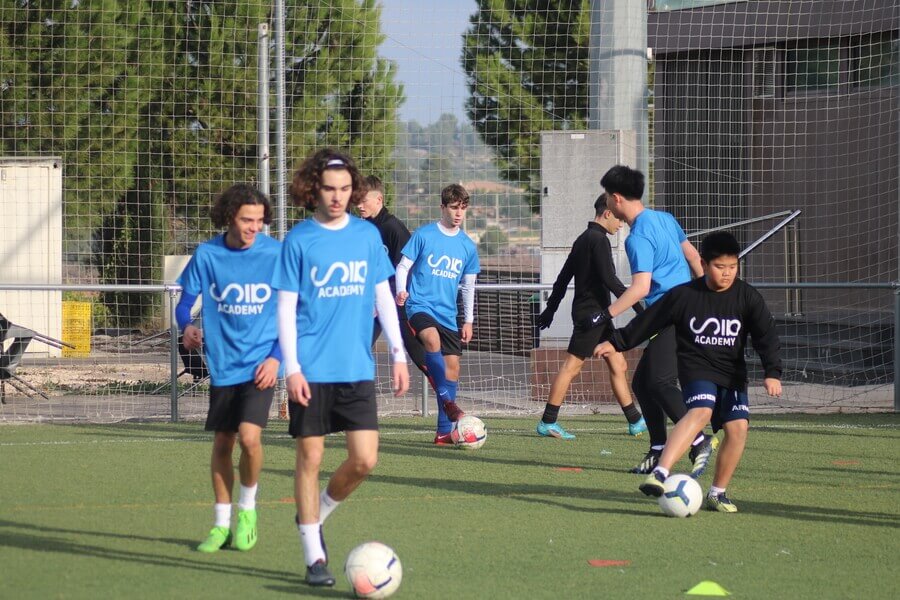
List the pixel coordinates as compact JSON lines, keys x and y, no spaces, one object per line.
{"x":121,"y":121}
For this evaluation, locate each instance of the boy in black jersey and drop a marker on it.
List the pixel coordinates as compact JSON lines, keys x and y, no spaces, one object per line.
{"x":394,"y":234}
{"x":712,"y":316}
{"x":590,"y":263}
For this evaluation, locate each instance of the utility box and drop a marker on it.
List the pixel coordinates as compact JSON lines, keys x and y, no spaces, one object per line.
{"x":572,"y":163}
{"x":31,"y":245}
{"x":173,"y":266}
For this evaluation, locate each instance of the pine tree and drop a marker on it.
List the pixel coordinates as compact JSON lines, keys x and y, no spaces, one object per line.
{"x":527,"y":68}
{"x":153,"y":106}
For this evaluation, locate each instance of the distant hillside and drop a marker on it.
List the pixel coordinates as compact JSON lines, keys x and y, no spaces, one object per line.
{"x":448,"y":151}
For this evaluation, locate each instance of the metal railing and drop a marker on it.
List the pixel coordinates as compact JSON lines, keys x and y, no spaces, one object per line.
{"x":171,"y":290}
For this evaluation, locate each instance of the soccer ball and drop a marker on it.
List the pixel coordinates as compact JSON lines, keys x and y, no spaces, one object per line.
{"x":470,"y":433}
{"x":373,"y":570}
{"x":682,"y":496}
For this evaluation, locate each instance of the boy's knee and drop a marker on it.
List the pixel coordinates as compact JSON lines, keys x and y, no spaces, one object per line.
{"x":251,"y":444}
{"x":310,"y":460}
{"x":363,"y":465}
{"x":617,"y":365}
{"x":737,"y":429}
{"x":223,"y":444}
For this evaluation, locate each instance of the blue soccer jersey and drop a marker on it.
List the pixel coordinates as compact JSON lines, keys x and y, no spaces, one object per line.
{"x":654,"y":246}
{"x":240,"y":325}
{"x":440,"y":260}
{"x":334,"y":272}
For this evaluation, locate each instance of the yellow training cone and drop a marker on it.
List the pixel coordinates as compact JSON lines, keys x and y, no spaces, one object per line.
{"x":708,"y":588}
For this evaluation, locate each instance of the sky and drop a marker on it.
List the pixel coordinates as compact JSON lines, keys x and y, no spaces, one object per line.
{"x":424,"y":38}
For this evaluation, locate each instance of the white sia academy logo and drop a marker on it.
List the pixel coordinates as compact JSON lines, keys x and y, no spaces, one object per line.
{"x":241,"y":298}
{"x":445,"y":266}
{"x":351,"y":282}
{"x":716,"y":332}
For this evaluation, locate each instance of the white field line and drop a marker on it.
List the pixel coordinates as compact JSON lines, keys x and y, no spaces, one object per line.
{"x":157,"y":440}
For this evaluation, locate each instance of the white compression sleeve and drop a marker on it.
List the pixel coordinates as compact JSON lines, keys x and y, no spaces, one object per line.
{"x":390,"y":323}
{"x":287,"y":331}
{"x":402,"y":273}
{"x":468,"y":297}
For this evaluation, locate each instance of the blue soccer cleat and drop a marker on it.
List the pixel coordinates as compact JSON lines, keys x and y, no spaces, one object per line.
{"x":554,"y":430}
{"x":636,"y":429}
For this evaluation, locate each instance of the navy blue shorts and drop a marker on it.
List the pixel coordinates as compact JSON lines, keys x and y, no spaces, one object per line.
{"x":726,"y":404}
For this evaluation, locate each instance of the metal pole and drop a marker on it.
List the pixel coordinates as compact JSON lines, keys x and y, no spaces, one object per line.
{"x":896,"y":350}
{"x":788,"y":294}
{"x":173,"y":356}
{"x":617,"y":75}
{"x":281,"y":140}
{"x":262,"y":108}
{"x":795,"y":252}
{"x":424,"y":395}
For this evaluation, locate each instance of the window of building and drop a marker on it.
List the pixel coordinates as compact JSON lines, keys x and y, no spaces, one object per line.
{"x":876,"y":60}
{"x":667,"y":5}
{"x":812,"y":65}
{"x":764,"y":72}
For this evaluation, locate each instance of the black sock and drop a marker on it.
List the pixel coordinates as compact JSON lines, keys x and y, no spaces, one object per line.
{"x":632,"y":413}
{"x":550,"y":414}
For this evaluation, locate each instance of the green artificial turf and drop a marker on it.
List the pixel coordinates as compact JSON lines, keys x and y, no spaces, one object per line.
{"x":115,"y":511}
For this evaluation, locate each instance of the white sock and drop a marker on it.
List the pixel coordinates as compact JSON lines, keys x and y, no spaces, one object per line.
{"x":657,"y":447}
{"x":662,"y":471}
{"x":311,"y":539}
{"x":223,"y":515}
{"x":326,"y":505}
{"x":715,"y":491}
{"x":248,"y":497}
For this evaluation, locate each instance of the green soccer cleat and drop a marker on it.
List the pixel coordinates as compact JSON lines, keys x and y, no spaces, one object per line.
{"x":245,"y":532}
{"x":554,"y":430}
{"x":218,"y":538}
{"x":720,"y":503}
{"x":636,"y":429}
{"x":653,"y":485}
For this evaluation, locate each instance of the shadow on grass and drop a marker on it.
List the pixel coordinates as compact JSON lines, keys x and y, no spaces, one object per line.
{"x":46,"y":539}
{"x":798,"y":512}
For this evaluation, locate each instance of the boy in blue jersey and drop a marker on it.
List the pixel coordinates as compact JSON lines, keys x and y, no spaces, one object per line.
{"x":233,"y":272}
{"x":331,"y":277}
{"x":438,"y":261}
{"x":661,"y":257}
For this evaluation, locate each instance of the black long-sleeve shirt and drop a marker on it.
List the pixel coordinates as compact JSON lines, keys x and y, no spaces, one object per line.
{"x":394,"y":236}
{"x":590,"y":263}
{"x":711,"y":330}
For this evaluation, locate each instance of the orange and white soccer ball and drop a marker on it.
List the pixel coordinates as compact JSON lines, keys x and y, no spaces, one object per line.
{"x":469,"y":433}
{"x":373,"y":570}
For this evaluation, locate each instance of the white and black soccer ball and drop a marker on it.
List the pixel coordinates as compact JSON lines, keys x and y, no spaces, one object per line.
{"x":373,"y":570}
{"x":469,"y":433}
{"x":681,"y":497}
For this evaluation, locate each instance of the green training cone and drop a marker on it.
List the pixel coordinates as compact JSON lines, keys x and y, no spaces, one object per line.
{"x":708,"y":588}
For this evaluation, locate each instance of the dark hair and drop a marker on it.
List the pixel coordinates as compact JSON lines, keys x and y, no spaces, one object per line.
{"x":600,"y":204}
{"x":624,"y":180}
{"x":307,"y":181}
{"x":454,"y":193}
{"x":374,"y":184}
{"x":231,"y":200}
{"x":718,"y":244}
